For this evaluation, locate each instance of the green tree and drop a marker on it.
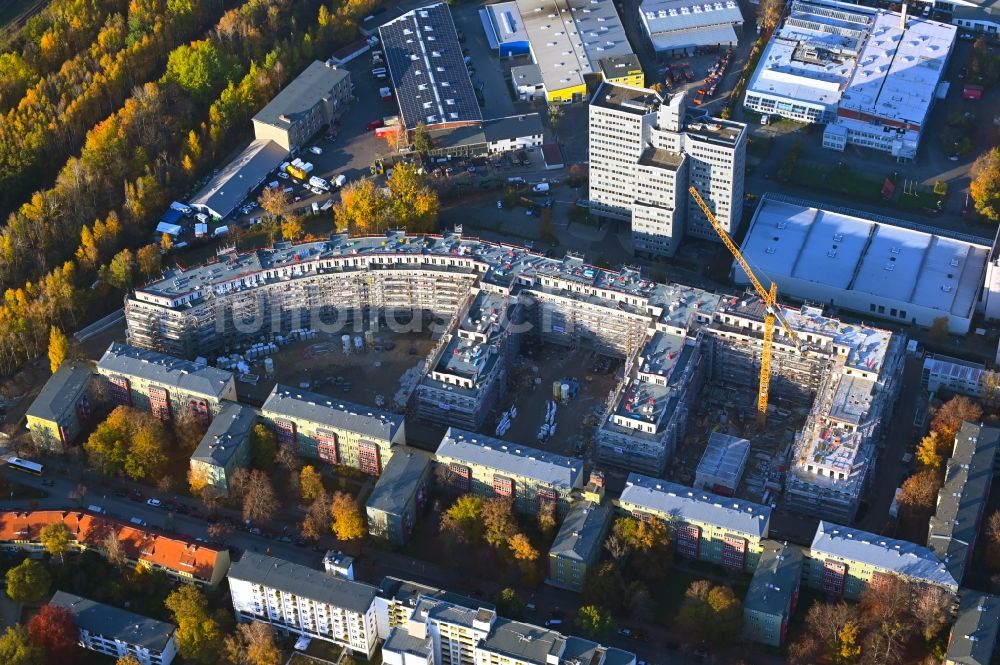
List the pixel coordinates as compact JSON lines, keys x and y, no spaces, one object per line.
{"x":28,"y":582}
{"x":310,"y":483}
{"x":199,"y":637}
{"x":510,"y":605}
{"x":16,"y":648}
{"x":200,"y":68}
{"x":985,"y":185}
{"x":348,"y":524}
{"x":848,"y":644}
{"x":595,"y":622}
{"x":150,"y":259}
{"x":498,"y":520}
{"x":949,"y":417}
{"x":412,"y":202}
{"x":263,"y":446}
{"x":58,"y":348}
{"x":120,"y":270}
{"x":422,"y":142}
{"x":253,"y":644}
{"x":464,"y":519}
{"x":929,"y":451}
{"x":56,"y":538}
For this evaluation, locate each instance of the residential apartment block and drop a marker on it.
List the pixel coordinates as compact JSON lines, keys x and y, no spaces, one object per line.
{"x":962,"y":499}
{"x":117,"y":633}
{"x":400,"y":495}
{"x":471,"y":635}
{"x":843,"y":561}
{"x":304,"y":601}
{"x":468,"y":368}
{"x":490,"y":467}
{"x":644,"y":154}
{"x":316,"y":97}
{"x":182,"y":559}
{"x":333,"y":430}
{"x":63,"y":407}
{"x":578,"y":544}
{"x":703,"y":526}
{"x":973,"y":637}
{"x":673,"y":336}
{"x":773,"y":593}
{"x":225,"y":446}
{"x":162,"y":384}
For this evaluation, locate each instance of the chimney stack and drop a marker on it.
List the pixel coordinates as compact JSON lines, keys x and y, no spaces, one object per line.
{"x":902,"y":17}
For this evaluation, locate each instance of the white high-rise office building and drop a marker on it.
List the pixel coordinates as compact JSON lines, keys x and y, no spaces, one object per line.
{"x":644,"y":154}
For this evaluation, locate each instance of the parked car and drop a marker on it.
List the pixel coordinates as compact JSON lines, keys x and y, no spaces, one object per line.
{"x":374,"y":124}
{"x":153,"y":502}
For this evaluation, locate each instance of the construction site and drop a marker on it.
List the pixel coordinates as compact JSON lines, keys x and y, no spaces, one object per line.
{"x":607,"y":365}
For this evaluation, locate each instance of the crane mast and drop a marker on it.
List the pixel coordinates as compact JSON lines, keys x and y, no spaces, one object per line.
{"x":773,"y":311}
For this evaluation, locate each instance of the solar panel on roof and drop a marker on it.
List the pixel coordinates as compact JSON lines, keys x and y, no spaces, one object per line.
{"x":409,"y":77}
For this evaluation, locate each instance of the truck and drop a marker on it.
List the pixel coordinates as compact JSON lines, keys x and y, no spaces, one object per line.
{"x":307,"y":167}
{"x":340,"y":181}
{"x":315,"y":207}
{"x":385,"y":93}
{"x":297,"y":172}
{"x":316,"y":181}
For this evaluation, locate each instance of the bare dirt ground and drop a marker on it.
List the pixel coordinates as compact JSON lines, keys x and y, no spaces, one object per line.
{"x":534,"y":372}
{"x":320,"y":364}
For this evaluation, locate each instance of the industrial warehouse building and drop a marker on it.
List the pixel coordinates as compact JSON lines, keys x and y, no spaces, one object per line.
{"x":683,"y":26}
{"x":870,"y":75}
{"x":875,"y":268}
{"x":236,"y":180}
{"x":318,"y":96}
{"x":428,"y":71}
{"x":570,"y":41}
{"x":722,"y":464}
{"x":504,"y":29}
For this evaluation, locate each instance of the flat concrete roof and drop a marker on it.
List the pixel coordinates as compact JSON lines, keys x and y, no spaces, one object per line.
{"x":838,"y":251}
{"x":568,"y":38}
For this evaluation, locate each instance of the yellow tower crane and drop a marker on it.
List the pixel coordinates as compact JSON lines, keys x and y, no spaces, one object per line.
{"x":769,"y":296}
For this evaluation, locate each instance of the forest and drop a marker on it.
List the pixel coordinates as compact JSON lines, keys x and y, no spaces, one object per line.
{"x":110,"y":110}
